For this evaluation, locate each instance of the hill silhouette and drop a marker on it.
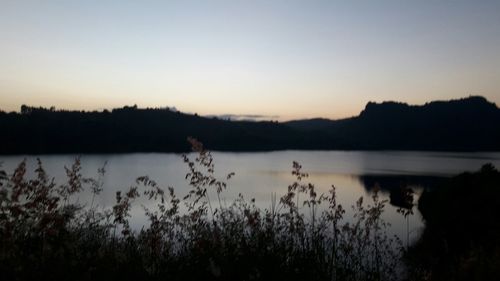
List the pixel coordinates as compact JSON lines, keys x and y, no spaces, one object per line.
{"x":470,"y":123}
{"x":466,"y":124}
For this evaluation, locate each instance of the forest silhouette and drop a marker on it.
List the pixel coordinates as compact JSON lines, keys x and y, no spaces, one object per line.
{"x":469,"y":124}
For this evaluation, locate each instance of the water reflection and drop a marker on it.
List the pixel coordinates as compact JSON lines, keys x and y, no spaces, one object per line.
{"x":259,"y":175}
{"x":395,"y":185}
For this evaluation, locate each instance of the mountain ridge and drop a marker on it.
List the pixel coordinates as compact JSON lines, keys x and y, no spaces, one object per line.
{"x":466,"y":124}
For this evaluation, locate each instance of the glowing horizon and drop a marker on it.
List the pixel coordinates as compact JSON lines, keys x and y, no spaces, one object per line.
{"x":294,"y":59}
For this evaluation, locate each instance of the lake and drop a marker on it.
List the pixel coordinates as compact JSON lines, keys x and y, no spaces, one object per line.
{"x":260,"y":174}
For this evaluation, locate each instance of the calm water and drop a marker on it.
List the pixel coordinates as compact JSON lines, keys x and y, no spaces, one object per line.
{"x":258,"y":175}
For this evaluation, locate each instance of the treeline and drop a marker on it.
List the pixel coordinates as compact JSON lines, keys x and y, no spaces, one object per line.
{"x":470,"y":124}
{"x":131,"y":129}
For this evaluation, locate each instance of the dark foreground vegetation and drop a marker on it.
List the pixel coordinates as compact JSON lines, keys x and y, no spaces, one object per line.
{"x":461,"y":240}
{"x":46,"y":234}
{"x":302,"y":236}
{"x":467,"y":124}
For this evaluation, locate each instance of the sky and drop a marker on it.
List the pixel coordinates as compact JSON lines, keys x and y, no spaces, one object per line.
{"x":282,"y":59}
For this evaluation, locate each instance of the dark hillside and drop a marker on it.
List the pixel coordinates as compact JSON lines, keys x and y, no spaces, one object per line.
{"x":467,"y":124}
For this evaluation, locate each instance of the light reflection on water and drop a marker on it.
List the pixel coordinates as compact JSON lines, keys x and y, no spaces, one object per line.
{"x":260,"y":174}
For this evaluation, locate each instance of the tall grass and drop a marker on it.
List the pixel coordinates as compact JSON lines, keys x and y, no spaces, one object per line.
{"x":45,"y":232}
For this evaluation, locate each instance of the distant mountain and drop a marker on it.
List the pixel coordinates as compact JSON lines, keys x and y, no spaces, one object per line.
{"x":471,"y":123}
{"x":466,"y":124}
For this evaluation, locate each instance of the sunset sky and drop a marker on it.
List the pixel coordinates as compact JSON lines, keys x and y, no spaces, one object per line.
{"x":284,"y":59}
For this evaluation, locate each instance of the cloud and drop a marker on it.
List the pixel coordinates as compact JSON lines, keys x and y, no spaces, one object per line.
{"x":245,"y":117}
